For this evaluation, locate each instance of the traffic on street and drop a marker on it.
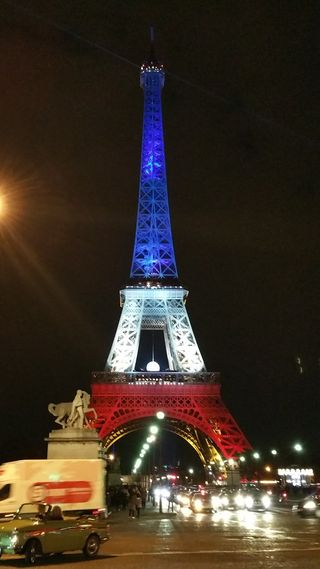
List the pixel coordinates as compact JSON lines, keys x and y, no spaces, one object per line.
{"x":174,"y":535}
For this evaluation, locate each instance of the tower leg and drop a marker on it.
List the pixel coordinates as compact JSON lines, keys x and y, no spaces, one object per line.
{"x":124,"y":350}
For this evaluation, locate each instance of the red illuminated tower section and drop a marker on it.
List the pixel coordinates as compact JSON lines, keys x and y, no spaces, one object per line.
{"x":154,"y":323}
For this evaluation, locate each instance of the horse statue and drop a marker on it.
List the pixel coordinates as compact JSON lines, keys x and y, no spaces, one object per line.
{"x":73,"y":413}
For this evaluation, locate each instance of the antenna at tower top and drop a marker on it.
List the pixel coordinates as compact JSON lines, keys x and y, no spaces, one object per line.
{"x":152,"y":34}
{"x":152,"y":58}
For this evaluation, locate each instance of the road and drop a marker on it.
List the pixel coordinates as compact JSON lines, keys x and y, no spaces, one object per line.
{"x":183,"y":540}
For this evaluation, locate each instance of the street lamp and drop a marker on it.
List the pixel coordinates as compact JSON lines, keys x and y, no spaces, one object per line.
{"x":151,"y":439}
{"x":298,"y":447}
{"x":160,"y":415}
{"x":191,"y":471}
{"x":154,"y":429}
{"x":137,"y":464}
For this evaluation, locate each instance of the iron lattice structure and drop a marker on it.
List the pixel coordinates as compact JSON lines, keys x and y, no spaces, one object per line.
{"x":153,"y":255}
{"x":188,"y":400}
{"x":155,"y":307}
{"x":189,"y":396}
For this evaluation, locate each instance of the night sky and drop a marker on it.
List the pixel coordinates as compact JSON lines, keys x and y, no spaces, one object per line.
{"x":242,"y":124}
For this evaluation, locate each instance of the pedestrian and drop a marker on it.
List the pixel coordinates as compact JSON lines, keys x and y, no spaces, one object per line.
{"x":138,"y":504}
{"x":132,"y":505}
{"x":143,"y":493}
{"x":124,"y":498}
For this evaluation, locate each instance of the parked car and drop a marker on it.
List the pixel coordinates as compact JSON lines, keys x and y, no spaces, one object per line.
{"x":34,"y":531}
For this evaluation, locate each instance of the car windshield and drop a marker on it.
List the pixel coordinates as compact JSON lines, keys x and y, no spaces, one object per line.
{"x":31,"y":510}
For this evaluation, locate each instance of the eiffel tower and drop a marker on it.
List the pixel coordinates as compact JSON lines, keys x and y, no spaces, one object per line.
{"x":132,"y":389}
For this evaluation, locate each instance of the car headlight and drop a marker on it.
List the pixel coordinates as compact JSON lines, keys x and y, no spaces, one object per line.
{"x":310,"y":505}
{"x":198,"y":505}
{"x":14,"y":538}
{"x":239,"y":500}
{"x":184,"y":500}
{"x":215,"y":501}
{"x":249,"y":502}
{"x":225,"y":501}
{"x":266,"y":501}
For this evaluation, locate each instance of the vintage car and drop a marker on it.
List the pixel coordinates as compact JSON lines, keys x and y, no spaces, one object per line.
{"x":38,"y":529}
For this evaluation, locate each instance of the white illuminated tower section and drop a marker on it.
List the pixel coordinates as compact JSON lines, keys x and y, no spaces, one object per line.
{"x":154,"y":301}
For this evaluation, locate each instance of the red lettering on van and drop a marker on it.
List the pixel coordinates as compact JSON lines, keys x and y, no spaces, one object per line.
{"x":65,"y":492}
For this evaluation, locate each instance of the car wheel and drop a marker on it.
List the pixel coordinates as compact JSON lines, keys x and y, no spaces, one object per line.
{"x":92,"y":546}
{"x":32,"y":552}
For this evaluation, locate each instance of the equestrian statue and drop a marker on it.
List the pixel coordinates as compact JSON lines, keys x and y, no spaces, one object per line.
{"x":72,"y":414}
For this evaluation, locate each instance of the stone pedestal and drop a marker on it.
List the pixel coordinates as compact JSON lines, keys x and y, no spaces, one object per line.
{"x":73,"y":443}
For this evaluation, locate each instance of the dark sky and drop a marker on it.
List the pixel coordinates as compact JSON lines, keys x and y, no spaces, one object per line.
{"x":242,"y":124}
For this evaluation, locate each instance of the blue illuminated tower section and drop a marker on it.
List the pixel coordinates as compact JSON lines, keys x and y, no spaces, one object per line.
{"x":155,"y":302}
{"x":153,"y":256}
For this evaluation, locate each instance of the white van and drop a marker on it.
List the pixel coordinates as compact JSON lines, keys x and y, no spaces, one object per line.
{"x":75,"y":485}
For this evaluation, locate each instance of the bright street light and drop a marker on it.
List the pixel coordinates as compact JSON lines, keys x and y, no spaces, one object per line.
{"x":256,"y":455}
{"x":3,"y":205}
{"x":298,"y":447}
{"x":160,"y":415}
{"x":274,"y":452}
{"x":153,"y":429}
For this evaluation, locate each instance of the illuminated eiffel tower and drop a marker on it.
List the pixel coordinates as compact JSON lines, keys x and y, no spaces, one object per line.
{"x":131,"y":388}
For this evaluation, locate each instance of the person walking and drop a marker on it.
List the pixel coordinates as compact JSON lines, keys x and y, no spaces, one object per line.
{"x":143,"y":493}
{"x":138,"y":504}
{"x":132,"y":505}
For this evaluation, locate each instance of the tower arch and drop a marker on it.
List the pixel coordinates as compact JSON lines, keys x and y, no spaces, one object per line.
{"x":206,"y":452}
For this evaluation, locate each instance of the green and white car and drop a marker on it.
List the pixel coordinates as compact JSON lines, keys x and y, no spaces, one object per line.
{"x":33,"y":532}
